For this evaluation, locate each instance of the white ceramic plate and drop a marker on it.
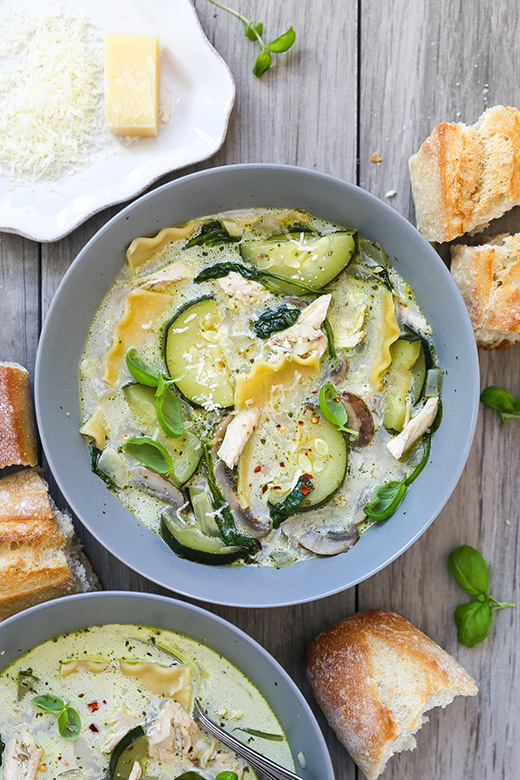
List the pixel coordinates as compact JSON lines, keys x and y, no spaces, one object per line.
{"x":202,"y":94}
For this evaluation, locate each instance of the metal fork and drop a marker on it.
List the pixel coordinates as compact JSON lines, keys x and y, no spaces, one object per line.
{"x":270,"y":768}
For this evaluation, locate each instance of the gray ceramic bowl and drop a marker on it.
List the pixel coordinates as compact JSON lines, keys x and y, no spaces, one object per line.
{"x":80,"y":294}
{"x":29,"y":628}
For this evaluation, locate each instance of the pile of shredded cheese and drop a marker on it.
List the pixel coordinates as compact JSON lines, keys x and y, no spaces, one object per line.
{"x":51,"y":94}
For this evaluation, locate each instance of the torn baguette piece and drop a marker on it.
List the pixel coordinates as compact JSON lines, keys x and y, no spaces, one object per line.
{"x":488,"y":277}
{"x":374,"y":676}
{"x":40,"y":558}
{"x":17,"y":430}
{"x":465,"y":176}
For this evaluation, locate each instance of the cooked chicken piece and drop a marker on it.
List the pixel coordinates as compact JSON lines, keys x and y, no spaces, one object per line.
{"x":241,"y":292}
{"x":172,"y":731}
{"x":121,"y":722}
{"x":176,"y":272}
{"x":414,"y":429}
{"x":136,"y":772}
{"x":22,"y":758}
{"x":410,"y":314}
{"x":237,"y":433}
{"x":305,"y":335}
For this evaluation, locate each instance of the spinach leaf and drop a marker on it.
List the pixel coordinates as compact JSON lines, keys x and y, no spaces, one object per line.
{"x":224,"y":516}
{"x":280,"y":512}
{"x":219,"y":270}
{"x":150,"y":453}
{"x":261,"y":734}
{"x":327,"y":329}
{"x":273,"y":320}
{"x":212,"y":233}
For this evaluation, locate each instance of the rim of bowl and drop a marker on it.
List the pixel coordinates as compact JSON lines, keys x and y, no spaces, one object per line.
{"x":312,"y":579}
{"x":73,"y":614}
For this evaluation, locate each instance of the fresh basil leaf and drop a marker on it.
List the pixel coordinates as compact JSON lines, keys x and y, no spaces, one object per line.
{"x":273,"y":320}
{"x":497,"y":398}
{"x":141,"y":371}
{"x":469,"y":569}
{"x":49,"y":703}
{"x":332,"y":409}
{"x":262,"y":63}
{"x":69,"y":724}
{"x":227,"y":776}
{"x":249,"y":32}
{"x":261,"y":734}
{"x":150,"y":453}
{"x":283,"y":42}
{"x":385,"y":500}
{"x":168,"y":408}
{"x":473,"y":622}
{"x":280,"y":512}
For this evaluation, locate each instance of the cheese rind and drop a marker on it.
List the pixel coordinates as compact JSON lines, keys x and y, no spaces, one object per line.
{"x":132,"y":84}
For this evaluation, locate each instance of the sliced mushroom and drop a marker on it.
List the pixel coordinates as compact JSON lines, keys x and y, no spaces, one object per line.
{"x":226,"y":482}
{"x":331,"y":543}
{"x":156,"y":486}
{"x":339,"y":372}
{"x":359,"y":419}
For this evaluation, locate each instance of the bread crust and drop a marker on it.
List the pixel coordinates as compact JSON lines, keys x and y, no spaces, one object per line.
{"x":488,"y":277}
{"x":374,"y":674}
{"x":464,"y":176}
{"x":40,"y":558}
{"x":17,"y":430}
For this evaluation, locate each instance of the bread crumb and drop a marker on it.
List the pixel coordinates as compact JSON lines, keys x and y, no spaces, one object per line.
{"x":375,"y":158}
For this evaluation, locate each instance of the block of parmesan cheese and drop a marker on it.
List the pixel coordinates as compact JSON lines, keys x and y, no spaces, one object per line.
{"x":132,"y":84}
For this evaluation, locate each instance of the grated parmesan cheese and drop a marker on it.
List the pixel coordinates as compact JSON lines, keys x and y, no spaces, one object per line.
{"x":51,"y":107}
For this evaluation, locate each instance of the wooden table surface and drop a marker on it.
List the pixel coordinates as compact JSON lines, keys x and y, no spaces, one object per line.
{"x":364,"y":76}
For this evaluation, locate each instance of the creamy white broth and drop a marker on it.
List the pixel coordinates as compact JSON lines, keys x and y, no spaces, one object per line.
{"x":227,"y":695}
{"x":369,"y":310}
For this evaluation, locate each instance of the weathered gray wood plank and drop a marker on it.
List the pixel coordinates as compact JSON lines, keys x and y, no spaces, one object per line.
{"x":437,"y":62}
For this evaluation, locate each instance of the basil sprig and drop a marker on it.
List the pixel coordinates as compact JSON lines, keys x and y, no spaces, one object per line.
{"x":332,"y":408}
{"x":167,"y":404}
{"x":290,"y":504}
{"x":387,"y":498}
{"x":503,"y":401}
{"x":69,"y":721}
{"x":150,"y":453}
{"x":253,"y":31}
{"x":473,"y":620}
{"x":219,"y":270}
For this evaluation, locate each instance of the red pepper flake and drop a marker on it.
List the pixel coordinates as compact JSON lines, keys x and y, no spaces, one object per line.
{"x":93,"y":706}
{"x":315,"y":420}
{"x":300,"y":422}
{"x":277,"y":487}
{"x":257,"y":469}
{"x":282,"y":464}
{"x":93,"y":728}
{"x":264,"y":488}
{"x":221,"y":364}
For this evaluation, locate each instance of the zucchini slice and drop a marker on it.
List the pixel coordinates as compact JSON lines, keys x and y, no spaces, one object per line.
{"x":141,"y":400}
{"x":313,"y":260}
{"x":193,"y":354}
{"x":404,"y":380}
{"x":132,"y":747}
{"x":189,"y":542}
{"x":321,"y":454}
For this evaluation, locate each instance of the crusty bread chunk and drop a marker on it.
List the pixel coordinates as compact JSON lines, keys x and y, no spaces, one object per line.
{"x":465,"y":176}
{"x":40,"y":558}
{"x":374,"y":675}
{"x":17,"y":432}
{"x":488,"y":277}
